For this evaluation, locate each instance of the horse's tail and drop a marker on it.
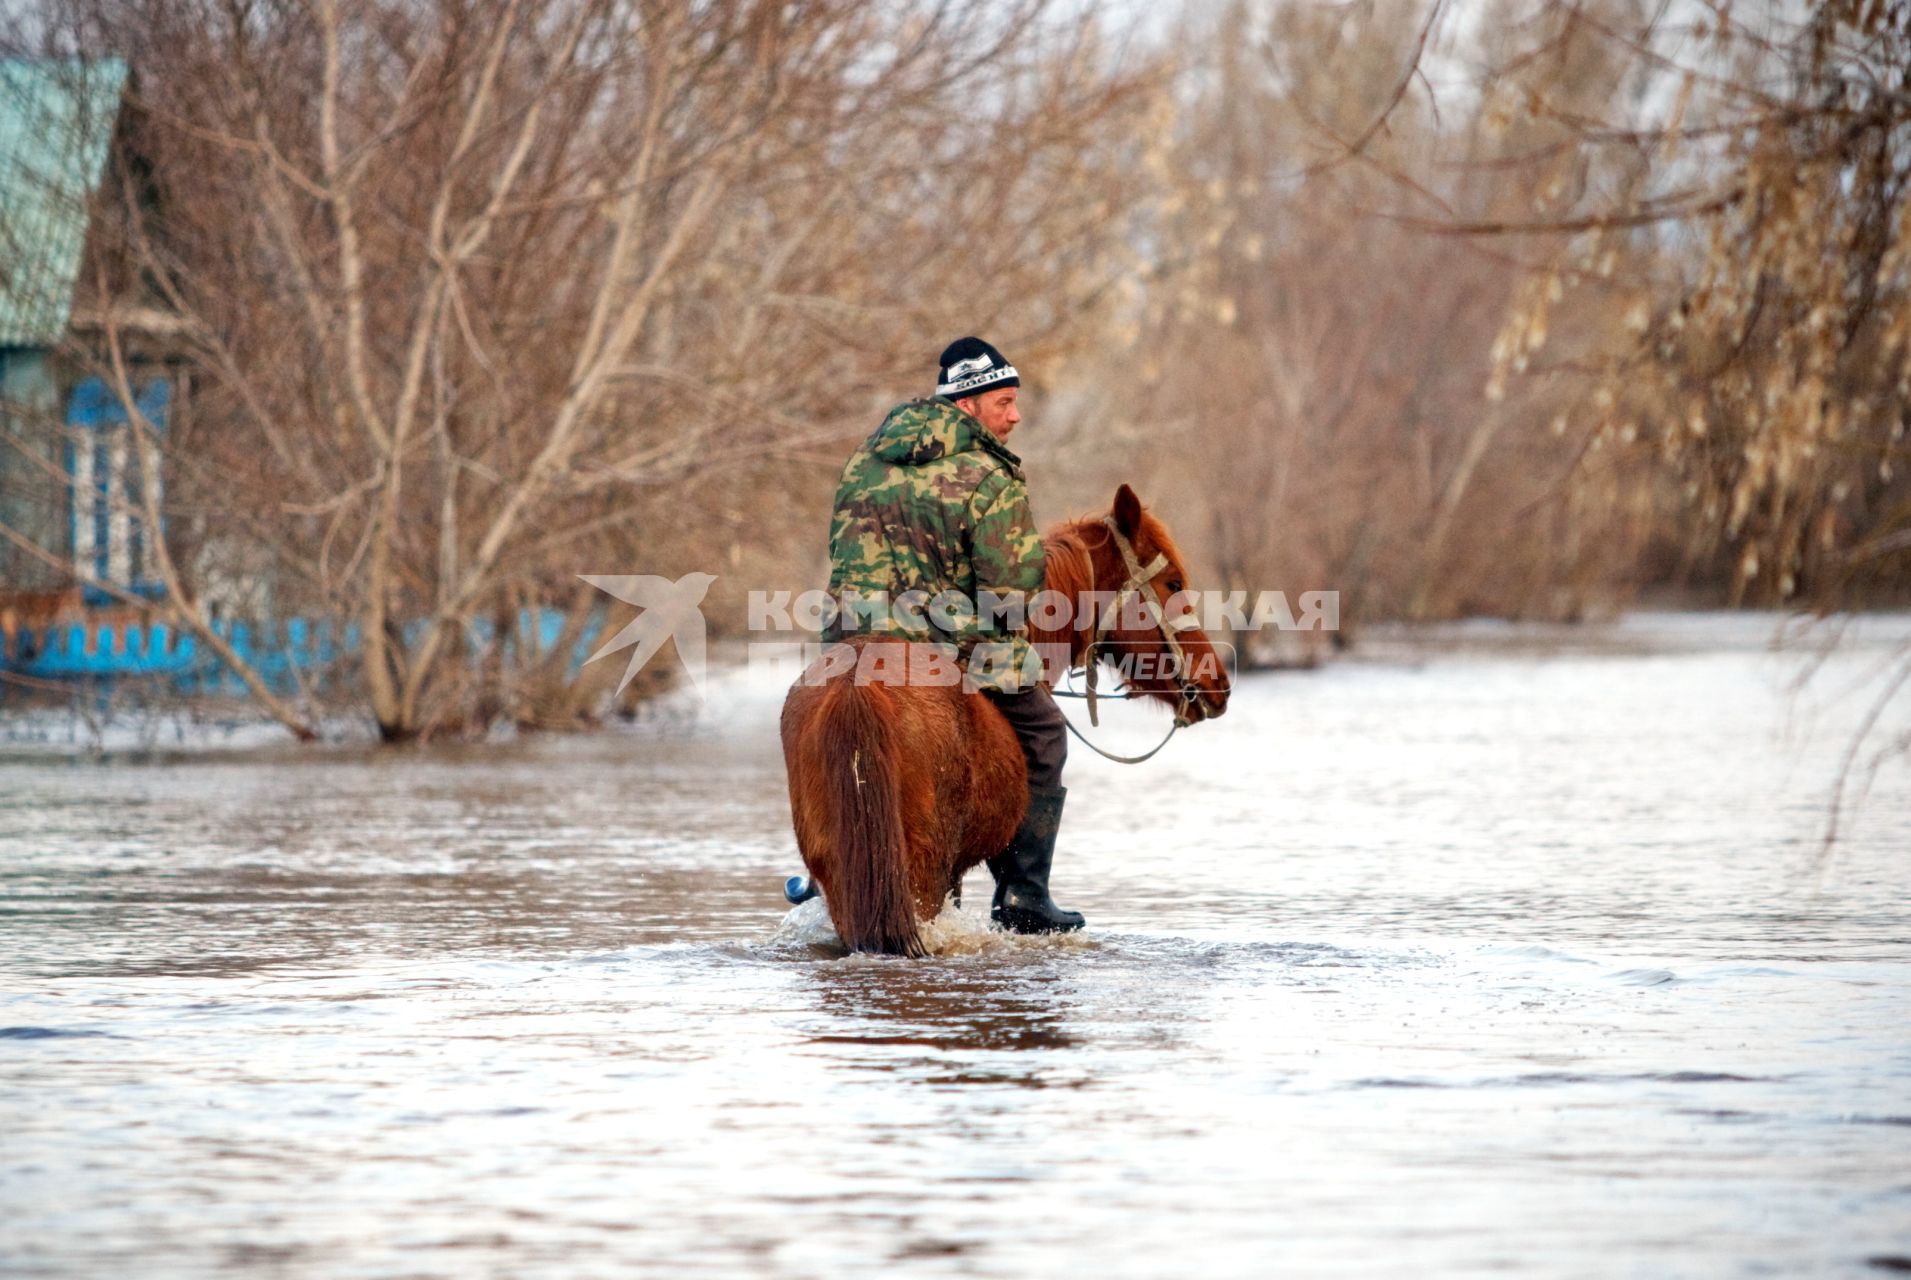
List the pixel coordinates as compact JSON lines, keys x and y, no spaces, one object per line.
{"x":869,"y":897}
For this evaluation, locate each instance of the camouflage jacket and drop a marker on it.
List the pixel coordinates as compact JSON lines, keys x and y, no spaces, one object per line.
{"x":933,"y":503}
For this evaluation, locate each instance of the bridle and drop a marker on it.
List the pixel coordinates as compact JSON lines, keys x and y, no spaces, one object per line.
{"x":1187,"y":693}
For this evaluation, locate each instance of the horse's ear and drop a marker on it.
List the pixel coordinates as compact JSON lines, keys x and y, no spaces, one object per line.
{"x":1127,"y":511}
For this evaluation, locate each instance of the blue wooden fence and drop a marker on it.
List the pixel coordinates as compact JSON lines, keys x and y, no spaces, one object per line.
{"x":280,"y":653}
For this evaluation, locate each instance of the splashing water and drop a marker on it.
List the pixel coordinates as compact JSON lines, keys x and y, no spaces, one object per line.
{"x":964,"y":930}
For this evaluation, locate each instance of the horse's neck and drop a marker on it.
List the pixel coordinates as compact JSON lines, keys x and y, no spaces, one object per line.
{"x":1071,"y":573}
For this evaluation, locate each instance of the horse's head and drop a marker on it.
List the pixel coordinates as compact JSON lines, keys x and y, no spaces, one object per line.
{"x":1140,"y":642}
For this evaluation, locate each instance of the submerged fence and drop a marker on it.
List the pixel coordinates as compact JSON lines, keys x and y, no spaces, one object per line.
{"x":287,"y":655}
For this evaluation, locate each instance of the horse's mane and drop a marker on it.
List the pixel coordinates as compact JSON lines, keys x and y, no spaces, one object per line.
{"x":1082,"y":557}
{"x":1072,"y":547}
{"x":1070,"y":560}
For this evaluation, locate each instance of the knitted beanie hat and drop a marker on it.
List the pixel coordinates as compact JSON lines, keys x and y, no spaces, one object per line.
{"x":970,"y":366}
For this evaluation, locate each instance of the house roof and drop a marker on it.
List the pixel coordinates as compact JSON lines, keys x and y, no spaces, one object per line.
{"x":56,"y":122}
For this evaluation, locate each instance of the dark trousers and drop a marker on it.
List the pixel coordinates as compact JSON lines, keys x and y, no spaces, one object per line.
{"x":1038,"y":726}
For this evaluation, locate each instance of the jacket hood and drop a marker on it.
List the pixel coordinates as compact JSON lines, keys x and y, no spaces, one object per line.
{"x":921,"y":431}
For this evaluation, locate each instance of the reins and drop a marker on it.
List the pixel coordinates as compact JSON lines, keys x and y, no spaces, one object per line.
{"x":1139,"y":576}
{"x":1109,"y":755}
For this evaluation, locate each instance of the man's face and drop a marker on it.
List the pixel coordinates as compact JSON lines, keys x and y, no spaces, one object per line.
{"x":995,"y":410}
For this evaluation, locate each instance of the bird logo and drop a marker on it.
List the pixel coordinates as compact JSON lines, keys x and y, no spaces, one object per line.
{"x":670,"y":612}
{"x":974,"y":364}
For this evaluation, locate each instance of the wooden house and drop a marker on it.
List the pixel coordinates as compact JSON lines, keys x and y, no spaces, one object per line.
{"x":73,"y":543}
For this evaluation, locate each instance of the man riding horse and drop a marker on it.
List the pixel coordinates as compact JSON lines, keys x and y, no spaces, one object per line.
{"x":935,"y":502}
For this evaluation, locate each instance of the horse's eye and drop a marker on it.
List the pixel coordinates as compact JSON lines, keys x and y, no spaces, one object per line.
{"x":1174,"y":586}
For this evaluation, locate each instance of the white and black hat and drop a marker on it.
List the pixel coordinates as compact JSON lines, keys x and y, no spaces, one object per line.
{"x":971,"y":366}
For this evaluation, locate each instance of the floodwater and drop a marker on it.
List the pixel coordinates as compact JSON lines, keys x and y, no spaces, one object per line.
{"x":1469,"y":956}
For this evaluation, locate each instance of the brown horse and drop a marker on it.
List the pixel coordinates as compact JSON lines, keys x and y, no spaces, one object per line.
{"x":899,"y":786}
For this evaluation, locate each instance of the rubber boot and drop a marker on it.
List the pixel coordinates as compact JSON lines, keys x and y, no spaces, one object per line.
{"x":1022,"y":903}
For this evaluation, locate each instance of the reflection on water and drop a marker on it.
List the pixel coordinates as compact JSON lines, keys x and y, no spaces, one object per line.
{"x":982,"y":1013}
{"x":1448,"y":963}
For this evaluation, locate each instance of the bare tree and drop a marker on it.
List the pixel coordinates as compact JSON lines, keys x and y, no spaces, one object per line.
{"x":474,"y":295}
{"x":1744,"y":186}
{"x":1333,"y":384}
